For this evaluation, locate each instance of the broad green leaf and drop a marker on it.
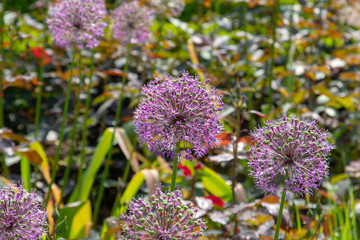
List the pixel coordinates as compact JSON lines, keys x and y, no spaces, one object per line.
{"x":78,"y":217}
{"x":215,"y":184}
{"x":90,"y":174}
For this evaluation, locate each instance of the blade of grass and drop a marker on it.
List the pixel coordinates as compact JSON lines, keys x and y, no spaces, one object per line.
{"x":353,"y":214}
{"x":25,"y":169}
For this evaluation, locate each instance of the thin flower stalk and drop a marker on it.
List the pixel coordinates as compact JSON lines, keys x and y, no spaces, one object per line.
{"x":4,"y":168}
{"x":63,"y":123}
{"x":110,"y":153}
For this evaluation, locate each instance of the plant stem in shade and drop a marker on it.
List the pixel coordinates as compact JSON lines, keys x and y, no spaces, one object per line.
{"x":278,"y":223}
{"x":290,"y":79}
{"x":158,"y":40}
{"x":246,"y":72}
{"x":176,"y":158}
{"x":4,"y":168}
{"x":272,"y":50}
{"x":63,"y":123}
{"x":73,"y":131}
{"x":84,"y":126}
{"x":39,"y":89}
{"x":109,"y":156}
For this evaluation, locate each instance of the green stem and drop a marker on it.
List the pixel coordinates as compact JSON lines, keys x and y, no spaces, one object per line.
{"x":297,"y":215}
{"x":353,"y":214}
{"x":176,"y":158}
{"x":61,"y":137}
{"x":278,"y":223}
{"x":4,"y":168}
{"x":158,"y":41}
{"x":271,"y":73}
{"x":246,"y":72}
{"x":84,"y":127}
{"x":290,"y":79}
{"x":109,"y":156}
{"x":73,"y":132}
{"x":39,"y":89}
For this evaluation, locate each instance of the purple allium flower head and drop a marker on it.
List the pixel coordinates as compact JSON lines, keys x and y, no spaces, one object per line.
{"x":132,"y":22}
{"x":179,"y":110}
{"x":165,"y":216}
{"x":289,"y":154}
{"x":21,"y":214}
{"x":173,"y":8}
{"x":79,"y":22}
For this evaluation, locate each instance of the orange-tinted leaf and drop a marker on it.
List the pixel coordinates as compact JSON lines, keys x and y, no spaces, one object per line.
{"x":349,"y":76}
{"x":225,"y":138}
{"x":284,"y":92}
{"x":300,"y":96}
{"x":245,"y":139}
{"x":269,"y":199}
{"x":15,"y":137}
{"x":31,"y":155}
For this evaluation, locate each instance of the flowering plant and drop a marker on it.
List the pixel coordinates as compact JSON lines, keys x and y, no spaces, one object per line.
{"x":79,"y":22}
{"x":179,"y":110}
{"x":289,"y":154}
{"x":21,"y":214}
{"x":165,"y":216}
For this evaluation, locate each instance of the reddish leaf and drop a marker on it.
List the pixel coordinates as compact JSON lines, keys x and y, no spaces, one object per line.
{"x":186,"y":170}
{"x":245,"y":139}
{"x":259,"y":114}
{"x":225,"y":138}
{"x":37,"y":52}
{"x":198,"y":166}
{"x":216,"y":200}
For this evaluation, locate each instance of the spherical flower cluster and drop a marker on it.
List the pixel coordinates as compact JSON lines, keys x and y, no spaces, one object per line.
{"x":79,"y":22}
{"x":289,"y":154}
{"x":165,"y":216}
{"x":179,"y":110}
{"x":132,"y":22}
{"x":172,"y":8}
{"x":21,"y":214}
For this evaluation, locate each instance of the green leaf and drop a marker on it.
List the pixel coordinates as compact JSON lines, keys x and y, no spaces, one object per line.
{"x":78,"y":218}
{"x":215,"y":184}
{"x":25,"y":172}
{"x":130,"y":192}
{"x":338,"y":178}
{"x":90,"y":174}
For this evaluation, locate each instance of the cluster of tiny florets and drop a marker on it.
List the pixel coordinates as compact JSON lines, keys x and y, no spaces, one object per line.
{"x":166,"y":216}
{"x":21,"y":214}
{"x":289,"y":154}
{"x":79,"y":22}
{"x":132,"y":22}
{"x":172,"y":8}
{"x":179,"y":110}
